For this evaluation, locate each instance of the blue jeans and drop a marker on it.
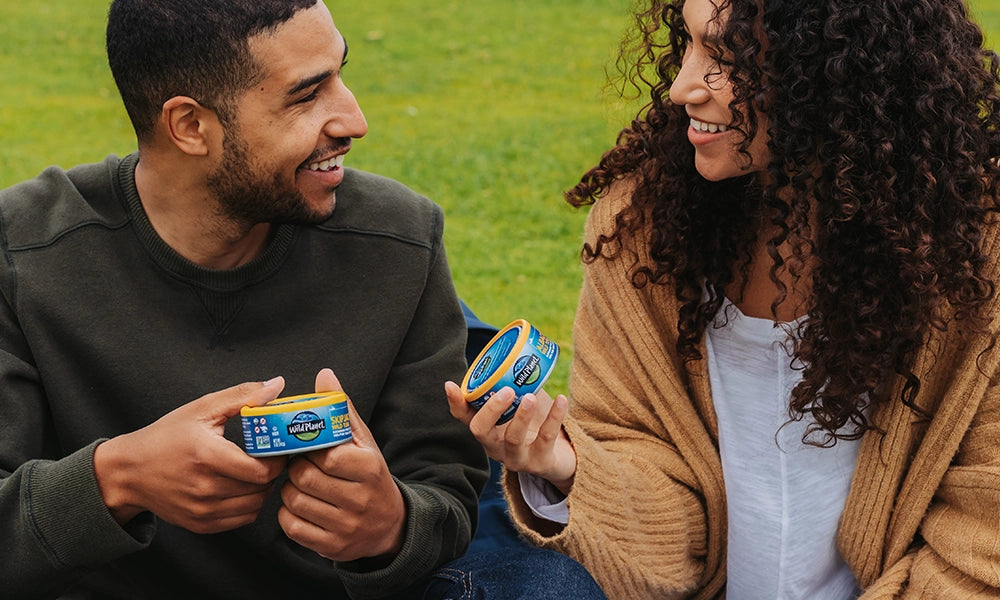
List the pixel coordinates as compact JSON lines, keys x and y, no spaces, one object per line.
{"x":511,"y":573}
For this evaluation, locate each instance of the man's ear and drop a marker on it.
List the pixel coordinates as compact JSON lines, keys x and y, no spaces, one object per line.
{"x":189,"y":125}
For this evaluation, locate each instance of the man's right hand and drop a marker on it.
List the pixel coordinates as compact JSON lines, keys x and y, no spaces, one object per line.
{"x":182,"y":469}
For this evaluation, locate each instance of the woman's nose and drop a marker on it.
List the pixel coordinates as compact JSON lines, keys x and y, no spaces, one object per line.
{"x":689,"y":86}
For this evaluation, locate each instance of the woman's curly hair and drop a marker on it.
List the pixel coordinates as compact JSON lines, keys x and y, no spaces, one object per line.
{"x":882,"y":116}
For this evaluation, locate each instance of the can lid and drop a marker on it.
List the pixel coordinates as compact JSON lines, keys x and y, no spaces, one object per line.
{"x":301,"y":402}
{"x":498,"y":367}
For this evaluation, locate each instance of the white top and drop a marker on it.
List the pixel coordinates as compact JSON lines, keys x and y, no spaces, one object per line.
{"x":785,"y":498}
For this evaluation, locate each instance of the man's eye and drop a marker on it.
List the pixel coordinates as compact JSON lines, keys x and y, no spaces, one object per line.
{"x":309,"y":98}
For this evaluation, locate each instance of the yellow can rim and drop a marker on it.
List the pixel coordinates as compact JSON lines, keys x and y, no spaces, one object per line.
{"x":294,"y":403}
{"x":508,"y":361}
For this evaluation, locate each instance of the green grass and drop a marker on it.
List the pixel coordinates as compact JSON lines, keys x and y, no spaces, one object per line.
{"x":492,"y":109}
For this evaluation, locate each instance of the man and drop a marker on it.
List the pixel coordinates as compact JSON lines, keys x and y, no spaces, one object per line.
{"x":231,"y":260}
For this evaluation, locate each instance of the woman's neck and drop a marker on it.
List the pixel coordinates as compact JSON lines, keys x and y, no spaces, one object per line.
{"x":756,"y":294}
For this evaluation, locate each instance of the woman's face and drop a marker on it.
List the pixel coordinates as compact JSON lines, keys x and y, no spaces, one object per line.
{"x":706,"y":92}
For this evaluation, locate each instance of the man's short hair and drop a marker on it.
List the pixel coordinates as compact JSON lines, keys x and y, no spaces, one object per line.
{"x":158,"y":49}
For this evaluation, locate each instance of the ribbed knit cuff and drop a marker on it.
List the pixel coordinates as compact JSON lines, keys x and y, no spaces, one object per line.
{"x":68,"y":514}
{"x":623,"y":517}
{"x":416,"y":559}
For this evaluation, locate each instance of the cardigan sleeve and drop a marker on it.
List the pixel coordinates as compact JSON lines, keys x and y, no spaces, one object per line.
{"x":943,"y":535}
{"x":639,"y":519}
{"x":960,"y":553}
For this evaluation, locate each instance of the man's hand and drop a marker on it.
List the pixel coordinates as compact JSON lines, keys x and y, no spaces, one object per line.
{"x":532,"y":442}
{"x":341,"y":502}
{"x":184,"y":471}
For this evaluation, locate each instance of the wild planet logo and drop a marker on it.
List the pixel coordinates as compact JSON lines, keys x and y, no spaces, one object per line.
{"x":526,"y":371}
{"x":306,"y":426}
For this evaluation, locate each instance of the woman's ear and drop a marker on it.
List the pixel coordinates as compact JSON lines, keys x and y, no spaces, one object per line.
{"x":190,"y":126}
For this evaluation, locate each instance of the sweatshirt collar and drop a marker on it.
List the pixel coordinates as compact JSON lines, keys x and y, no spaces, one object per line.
{"x":224,"y":280}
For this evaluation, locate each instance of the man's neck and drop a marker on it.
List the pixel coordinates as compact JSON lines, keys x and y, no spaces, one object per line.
{"x":186,"y":217}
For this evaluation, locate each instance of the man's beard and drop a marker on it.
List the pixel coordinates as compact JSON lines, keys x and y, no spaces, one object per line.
{"x":248,"y":195}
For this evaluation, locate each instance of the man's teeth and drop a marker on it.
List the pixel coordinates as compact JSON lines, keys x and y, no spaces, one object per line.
{"x":709,"y":127}
{"x":326,"y":165}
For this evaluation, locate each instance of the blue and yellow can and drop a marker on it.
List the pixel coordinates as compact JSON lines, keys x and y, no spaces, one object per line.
{"x":518,"y":357}
{"x":296,"y":424}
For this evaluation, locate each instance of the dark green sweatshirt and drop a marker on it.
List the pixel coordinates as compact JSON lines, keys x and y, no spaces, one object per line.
{"x":104,"y":329}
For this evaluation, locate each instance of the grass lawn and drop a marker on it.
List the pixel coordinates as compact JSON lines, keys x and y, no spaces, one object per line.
{"x":492,"y":109}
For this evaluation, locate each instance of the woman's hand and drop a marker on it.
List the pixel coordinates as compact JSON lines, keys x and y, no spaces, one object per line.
{"x":532,"y":442}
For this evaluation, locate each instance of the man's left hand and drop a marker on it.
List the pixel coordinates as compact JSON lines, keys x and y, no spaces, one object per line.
{"x":341,"y":501}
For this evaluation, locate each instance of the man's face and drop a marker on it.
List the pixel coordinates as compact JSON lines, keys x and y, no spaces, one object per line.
{"x":283,"y":156}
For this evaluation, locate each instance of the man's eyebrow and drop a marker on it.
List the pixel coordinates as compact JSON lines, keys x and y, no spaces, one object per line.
{"x":308,"y":82}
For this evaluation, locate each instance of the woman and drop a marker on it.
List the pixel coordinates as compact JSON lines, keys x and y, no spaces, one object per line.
{"x":785,"y":347}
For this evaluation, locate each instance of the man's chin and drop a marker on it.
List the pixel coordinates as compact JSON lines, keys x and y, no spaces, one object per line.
{"x":325,"y":211}
{"x":309,"y":215}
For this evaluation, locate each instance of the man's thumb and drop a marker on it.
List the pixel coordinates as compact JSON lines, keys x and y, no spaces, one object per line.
{"x":326,"y":381}
{"x":228,"y":402}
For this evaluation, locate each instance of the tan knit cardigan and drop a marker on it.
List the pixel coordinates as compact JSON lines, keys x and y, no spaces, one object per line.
{"x":647,"y":512}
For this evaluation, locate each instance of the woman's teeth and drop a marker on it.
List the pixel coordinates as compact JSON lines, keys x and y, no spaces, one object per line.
{"x":708,"y":127}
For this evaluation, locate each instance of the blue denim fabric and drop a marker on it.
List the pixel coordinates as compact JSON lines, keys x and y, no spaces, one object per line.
{"x":512,"y":573}
{"x":495,"y":529}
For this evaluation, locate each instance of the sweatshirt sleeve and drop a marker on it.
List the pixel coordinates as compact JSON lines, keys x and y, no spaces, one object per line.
{"x":53,"y":521}
{"x":438,"y":465}
{"x":638,"y":514}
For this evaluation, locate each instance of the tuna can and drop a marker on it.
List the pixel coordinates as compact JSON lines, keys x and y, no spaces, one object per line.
{"x":518,"y":357}
{"x":296,"y":424}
